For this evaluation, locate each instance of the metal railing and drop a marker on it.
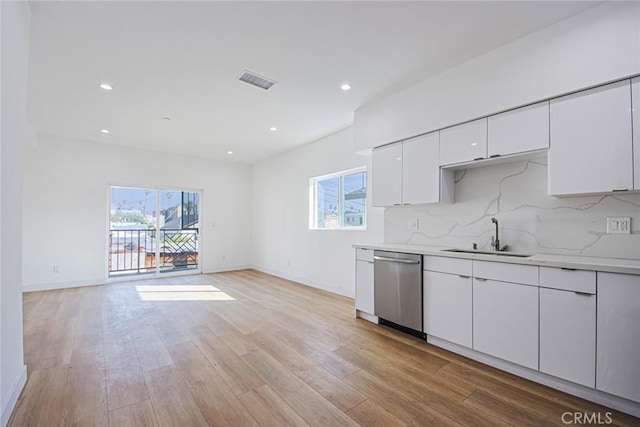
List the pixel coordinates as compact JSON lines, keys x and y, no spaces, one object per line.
{"x":139,"y":251}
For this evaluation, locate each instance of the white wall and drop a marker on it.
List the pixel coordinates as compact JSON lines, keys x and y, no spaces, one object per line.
{"x":66,"y":206}
{"x":596,"y":46}
{"x":319,"y":258}
{"x":530,"y":221}
{"x":15,"y":18}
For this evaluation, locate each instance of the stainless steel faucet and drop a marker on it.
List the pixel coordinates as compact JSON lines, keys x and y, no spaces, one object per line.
{"x":495,"y":241}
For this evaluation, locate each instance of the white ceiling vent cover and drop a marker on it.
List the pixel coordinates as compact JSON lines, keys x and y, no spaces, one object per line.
{"x":256,"y":80}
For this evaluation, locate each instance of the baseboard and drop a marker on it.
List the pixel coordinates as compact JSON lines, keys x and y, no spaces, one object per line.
{"x":592,"y":395}
{"x":34,"y":287}
{"x":304,"y":281}
{"x":226,"y":268}
{"x":14,"y":394}
{"x":366,"y":316}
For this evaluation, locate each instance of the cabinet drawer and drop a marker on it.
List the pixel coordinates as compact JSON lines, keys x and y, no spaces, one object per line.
{"x":448,"y":265}
{"x":503,"y":272}
{"x":568,"y":279}
{"x":364,"y":255}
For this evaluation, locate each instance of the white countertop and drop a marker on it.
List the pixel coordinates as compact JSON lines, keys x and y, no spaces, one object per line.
{"x":611,"y":265}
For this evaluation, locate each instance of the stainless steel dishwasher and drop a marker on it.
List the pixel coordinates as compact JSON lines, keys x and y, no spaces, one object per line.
{"x":397,"y":284}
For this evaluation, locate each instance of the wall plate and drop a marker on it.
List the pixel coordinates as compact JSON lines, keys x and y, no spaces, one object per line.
{"x":618,"y":225}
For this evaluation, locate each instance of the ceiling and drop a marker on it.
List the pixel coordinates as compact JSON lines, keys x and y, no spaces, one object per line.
{"x":182,"y":60}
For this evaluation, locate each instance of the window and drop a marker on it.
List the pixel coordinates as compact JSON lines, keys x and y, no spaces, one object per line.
{"x":338,"y":201}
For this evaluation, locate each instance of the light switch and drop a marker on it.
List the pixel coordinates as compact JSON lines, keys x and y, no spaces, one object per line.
{"x":619,"y":225}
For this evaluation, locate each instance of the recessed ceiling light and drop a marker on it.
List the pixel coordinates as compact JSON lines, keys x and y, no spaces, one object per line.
{"x":474,"y":143}
{"x":229,"y":152}
{"x":104,"y":130}
{"x":345,"y":86}
{"x":106,"y":86}
{"x":273,"y":129}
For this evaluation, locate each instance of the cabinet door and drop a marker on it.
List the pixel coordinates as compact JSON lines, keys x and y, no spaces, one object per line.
{"x":387,"y":175}
{"x":618,"y":366}
{"x":447,"y":307}
{"x":421,"y":170}
{"x":591,"y":145}
{"x":568,"y":335}
{"x":505,"y":321}
{"x":364,"y":286}
{"x":464,"y":143}
{"x":519,"y":131}
{"x":635,"y":94}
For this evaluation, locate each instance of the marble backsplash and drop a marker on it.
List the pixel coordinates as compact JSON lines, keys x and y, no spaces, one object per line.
{"x":530,"y":221}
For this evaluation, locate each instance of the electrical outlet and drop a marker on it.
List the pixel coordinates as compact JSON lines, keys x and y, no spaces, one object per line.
{"x":618,"y":225}
{"x":413,"y":224}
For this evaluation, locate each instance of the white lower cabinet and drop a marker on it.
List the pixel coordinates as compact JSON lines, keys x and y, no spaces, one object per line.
{"x":618,"y":354}
{"x":580,"y":326}
{"x":505,"y":321}
{"x":568,"y":335}
{"x":448,"y":307}
{"x":364,"y":286}
{"x":364,"y":280}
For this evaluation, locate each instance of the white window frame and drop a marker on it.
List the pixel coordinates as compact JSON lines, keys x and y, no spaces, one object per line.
{"x":313,"y":197}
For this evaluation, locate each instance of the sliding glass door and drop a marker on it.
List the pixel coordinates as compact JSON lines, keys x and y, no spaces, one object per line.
{"x":153,"y":231}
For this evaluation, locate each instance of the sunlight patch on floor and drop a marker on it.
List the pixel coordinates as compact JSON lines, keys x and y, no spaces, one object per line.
{"x":182,"y":293}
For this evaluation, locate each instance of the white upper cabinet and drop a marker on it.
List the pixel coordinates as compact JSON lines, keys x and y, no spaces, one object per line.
{"x":635,"y":95}
{"x":591,"y":143}
{"x":421,"y":181}
{"x":464,"y":142}
{"x":387,"y":175}
{"x":408,"y":173}
{"x":519,"y":131}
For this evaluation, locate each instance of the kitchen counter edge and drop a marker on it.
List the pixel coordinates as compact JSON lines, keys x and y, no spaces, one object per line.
{"x":609,"y":265}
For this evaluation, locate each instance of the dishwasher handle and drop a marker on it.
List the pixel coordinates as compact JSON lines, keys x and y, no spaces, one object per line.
{"x":398,"y":260}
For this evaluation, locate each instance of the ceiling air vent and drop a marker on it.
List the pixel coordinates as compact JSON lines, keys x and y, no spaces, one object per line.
{"x":256,"y":80}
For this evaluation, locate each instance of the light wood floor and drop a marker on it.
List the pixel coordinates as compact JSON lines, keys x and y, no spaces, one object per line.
{"x":247,"y":349}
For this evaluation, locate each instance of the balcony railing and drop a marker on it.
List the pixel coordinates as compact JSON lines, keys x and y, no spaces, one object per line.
{"x":138,"y":251}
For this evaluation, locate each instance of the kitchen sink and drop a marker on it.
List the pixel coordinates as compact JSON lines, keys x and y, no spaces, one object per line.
{"x":475,"y":251}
